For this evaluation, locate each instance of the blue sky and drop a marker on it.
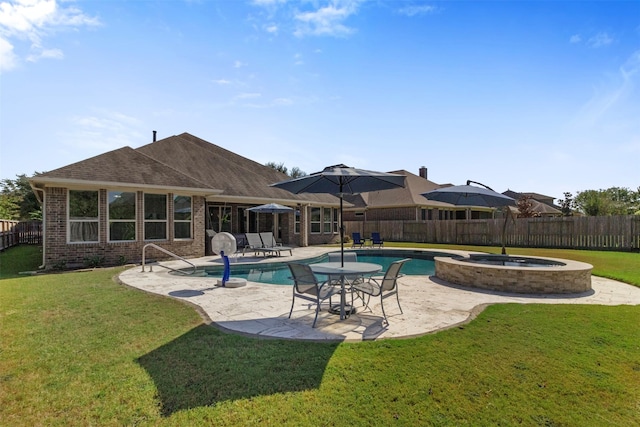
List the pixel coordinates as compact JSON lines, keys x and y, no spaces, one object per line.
{"x":538,"y":96}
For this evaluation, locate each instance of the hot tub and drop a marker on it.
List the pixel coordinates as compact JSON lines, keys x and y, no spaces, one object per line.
{"x":517,"y":274}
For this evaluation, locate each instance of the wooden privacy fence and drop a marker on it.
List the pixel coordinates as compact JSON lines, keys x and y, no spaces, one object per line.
{"x":603,"y":232}
{"x":16,"y":232}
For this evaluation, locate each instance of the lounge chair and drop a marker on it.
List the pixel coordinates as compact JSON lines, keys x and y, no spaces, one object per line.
{"x":241,"y":241}
{"x":357,"y":240}
{"x":307,"y":287}
{"x":254,"y":243}
{"x":384,"y":286}
{"x":269,"y":242}
{"x":376,"y":240}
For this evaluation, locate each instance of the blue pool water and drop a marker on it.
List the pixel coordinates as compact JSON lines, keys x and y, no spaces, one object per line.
{"x":278,"y":273}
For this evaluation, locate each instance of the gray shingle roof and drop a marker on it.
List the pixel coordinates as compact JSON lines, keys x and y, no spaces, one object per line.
{"x":222,"y":169}
{"x":124,"y":165}
{"x":409,"y":195}
{"x":184,"y":161}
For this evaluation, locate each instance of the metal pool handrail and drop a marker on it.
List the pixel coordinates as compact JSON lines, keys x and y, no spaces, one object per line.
{"x":153,"y":245}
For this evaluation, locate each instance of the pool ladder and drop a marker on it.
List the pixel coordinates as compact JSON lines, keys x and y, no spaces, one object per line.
{"x":153,"y":245}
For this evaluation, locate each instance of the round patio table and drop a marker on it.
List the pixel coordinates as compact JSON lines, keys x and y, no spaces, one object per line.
{"x":342,"y":271}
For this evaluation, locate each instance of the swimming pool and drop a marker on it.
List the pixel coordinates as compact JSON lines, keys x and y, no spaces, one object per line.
{"x":277,"y":273}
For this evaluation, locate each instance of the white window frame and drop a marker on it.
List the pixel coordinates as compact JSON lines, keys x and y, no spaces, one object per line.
{"x":156,"y":221}
{"x":327,"y":220}
{"x":134,"y":220}
{"x":318,"y":222}
{"x":71,"y":221}
{"x":183,"y":221}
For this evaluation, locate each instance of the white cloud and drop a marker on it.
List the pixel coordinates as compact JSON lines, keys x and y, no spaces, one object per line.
{"x":417,"y":10}
{"x":104,"y":131}
{"x":222,"y":82}
{"x":268,"y":2}
{"x":612,"y":113}
{"x":311,"y":17}
{"x":599,"y":40}
{"x":24,"y":17}
{"x":326,"y":21}
{"x":631,"y":66}
{"x":239,"y":64}
{"x":36,"y":20}
{"x":575,"y":39}
{"x":8,"y":59}
{"x":46,"y":54}
{"x":282,"y":101}
{"x":273,"y":29}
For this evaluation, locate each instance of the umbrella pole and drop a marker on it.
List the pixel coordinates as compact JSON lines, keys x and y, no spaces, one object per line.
{"x":341,"y":233}
{"x":504,"y":230}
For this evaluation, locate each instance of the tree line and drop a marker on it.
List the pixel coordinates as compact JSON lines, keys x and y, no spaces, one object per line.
{"x":610,"y":201}
{"x":18,"y":202}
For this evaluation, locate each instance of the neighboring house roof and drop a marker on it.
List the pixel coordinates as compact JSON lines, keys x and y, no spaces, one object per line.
{"x":183,"y":162}
{"x":540,"y":203}
{"x":409,"y":195}
{"x":535,"y":196}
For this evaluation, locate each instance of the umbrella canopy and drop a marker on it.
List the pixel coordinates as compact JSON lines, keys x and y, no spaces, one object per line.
{"x":272,"y":208}
{"x":469,"y":195}
{"x":339,"y":180}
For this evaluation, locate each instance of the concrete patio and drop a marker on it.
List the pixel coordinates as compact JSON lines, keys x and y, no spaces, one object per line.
{"x":262,"y":310}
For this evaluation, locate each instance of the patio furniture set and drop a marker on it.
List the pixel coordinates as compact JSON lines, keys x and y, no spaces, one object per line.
{"x":344,"y":276}
{"x":375,"y":240}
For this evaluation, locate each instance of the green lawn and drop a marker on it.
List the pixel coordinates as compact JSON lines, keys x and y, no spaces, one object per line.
{"x":19,"y":259}
{"x":80,"y":349}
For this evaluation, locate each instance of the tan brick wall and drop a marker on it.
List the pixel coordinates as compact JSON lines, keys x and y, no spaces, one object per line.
{"x":574,"y":277}
{"x":59,"y":252}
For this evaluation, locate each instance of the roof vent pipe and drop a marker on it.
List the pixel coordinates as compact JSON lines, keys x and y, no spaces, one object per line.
{"x":154,"y":136}
{"x":423,"y":172}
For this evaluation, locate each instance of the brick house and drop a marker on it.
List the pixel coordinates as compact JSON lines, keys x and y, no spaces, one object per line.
{"x":169,"y":192}
{"x":408,"y":204}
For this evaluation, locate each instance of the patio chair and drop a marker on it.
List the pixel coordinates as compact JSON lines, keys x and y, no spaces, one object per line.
{"x":269,"y":242}
{"x":376,"y":240}
{"x":254,"y":243}
{"x":307,"y":287}
{"x":383,"y":286}
{"x":357,"y":240}
{"x":348,"y":257}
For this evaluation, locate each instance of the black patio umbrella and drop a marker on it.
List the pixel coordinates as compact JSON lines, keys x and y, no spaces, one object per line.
{"x":272,"y":208}
{"x":339,"y":180}
{"x":468,"y":195}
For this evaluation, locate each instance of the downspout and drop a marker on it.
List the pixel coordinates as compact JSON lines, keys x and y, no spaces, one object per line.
{"x":44,"y":230}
